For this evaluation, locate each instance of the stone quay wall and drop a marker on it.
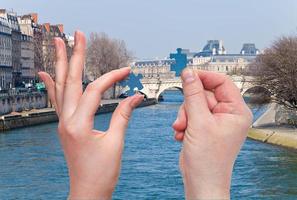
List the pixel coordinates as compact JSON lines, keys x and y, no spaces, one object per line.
{"x":48,"y":115}
{"x":18,"y":102}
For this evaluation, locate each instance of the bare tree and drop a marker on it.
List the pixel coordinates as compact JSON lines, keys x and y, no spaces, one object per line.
{"x":44,"y":53}
{"x":38,"y":58}
{"x":276,"y":70}
{"x":48,"y":53}
{"x":105,"y":54}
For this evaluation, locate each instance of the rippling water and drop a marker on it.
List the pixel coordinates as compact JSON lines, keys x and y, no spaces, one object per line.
{"x":32,"y":164}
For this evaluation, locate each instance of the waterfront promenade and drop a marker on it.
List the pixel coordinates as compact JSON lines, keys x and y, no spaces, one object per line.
{"x":266,"y":129}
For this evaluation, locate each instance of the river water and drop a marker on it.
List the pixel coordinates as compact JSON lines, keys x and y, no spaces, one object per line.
{"x":32,"y":164}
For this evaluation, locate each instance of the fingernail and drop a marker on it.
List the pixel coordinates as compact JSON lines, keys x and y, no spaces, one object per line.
{"x":188,"y":76}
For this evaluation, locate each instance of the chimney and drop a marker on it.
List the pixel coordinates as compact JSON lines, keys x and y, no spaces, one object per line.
{"x":61,"y":28}
{"x":34,"y":17}
{"x":47,"y":27}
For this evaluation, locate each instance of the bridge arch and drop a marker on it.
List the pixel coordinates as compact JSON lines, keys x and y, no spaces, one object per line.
{"x":255,"y":89}
{"x":124,"y":92}
{"x":163,"y":88}
{"x":257,"y":95}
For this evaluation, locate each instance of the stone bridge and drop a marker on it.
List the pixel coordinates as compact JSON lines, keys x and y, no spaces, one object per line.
{"x":154,"y":87}
{"x":158,"y":79}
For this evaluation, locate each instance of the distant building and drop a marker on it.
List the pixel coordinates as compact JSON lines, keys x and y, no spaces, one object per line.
{"x":154,"y":68}
{"x":213,"y":47}
{"x":16,"y":38}
{"x":213,"y":57}
{"x":27,"y":59}
{"x":26,"y":23}
{"x":218,"y":60}
{"x":26,"y":47}
{"x":249,"y":49}
{"x":5,"y":54}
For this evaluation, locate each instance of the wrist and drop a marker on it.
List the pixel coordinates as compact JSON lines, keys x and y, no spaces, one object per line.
{"x":207,"y":187}
{"x":94,"y":192}
{"x":207,"y":192}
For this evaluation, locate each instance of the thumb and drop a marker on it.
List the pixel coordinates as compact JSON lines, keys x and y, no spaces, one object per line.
{"x":195,"y":100}
{"x":120,"y":118}
{"x":180,"y":123}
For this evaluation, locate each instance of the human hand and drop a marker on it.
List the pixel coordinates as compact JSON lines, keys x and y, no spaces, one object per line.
{"x":212,"y":124}
{"x":93,"y":157}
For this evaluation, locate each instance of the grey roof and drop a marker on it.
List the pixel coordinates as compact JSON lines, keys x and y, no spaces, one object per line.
{"x":249,"y":48}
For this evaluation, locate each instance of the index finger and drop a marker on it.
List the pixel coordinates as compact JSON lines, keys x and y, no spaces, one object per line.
{"x":222,"y":86}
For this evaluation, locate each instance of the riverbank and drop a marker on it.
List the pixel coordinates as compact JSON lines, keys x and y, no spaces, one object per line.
{"x":48,"y":115}
{"x":281,"y":136}
{"x":266,"y":129}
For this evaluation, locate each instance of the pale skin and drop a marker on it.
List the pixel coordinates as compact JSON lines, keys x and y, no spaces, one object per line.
{"x":212,"y":124}
{"x":93,"y":157}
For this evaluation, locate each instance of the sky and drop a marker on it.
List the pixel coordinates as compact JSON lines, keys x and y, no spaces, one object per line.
{"x":154,"y":28}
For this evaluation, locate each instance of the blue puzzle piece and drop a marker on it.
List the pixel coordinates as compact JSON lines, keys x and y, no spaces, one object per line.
{"x":133,"y":82}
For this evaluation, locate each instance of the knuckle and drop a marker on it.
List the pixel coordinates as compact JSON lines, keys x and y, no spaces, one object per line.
{"x":193,"y":92}
{"x":59,"y":84}
{"x":67,"y":128}
{"x":93,"y":88}
{"x":71,"y":129}
{"x":72,"y":80}
{"x":90,"y":87}
{"x":125,"y":115}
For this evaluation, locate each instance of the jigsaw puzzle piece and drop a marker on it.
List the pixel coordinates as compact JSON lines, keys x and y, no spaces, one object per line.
{"x":133,"y":82}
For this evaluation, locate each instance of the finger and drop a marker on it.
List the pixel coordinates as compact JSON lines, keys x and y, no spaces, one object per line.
{"x":226,"y":93}
{"x":180,"y":123}
{"x":222,"y":86}
{"x":73,"y":87}
{"x":211,"y":99}
{"x":61,"y":69}
{"x":50,"y":87}
{"x":179,"y":136}
{"x":91,"y":98}
{"x":195,"y":100}
{"x":120,"y":118}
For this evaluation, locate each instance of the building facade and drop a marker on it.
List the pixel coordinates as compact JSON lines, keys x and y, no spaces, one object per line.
{"x":214,"y":57}
{"x":27,"y":59}
{"x":154,"y":68}
{"x":16,"y":38}
{"x":5,"y":54}
{"x":26,"y":23}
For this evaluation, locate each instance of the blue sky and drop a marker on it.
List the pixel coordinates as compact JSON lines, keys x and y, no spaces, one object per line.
{"x":153,"y":28}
